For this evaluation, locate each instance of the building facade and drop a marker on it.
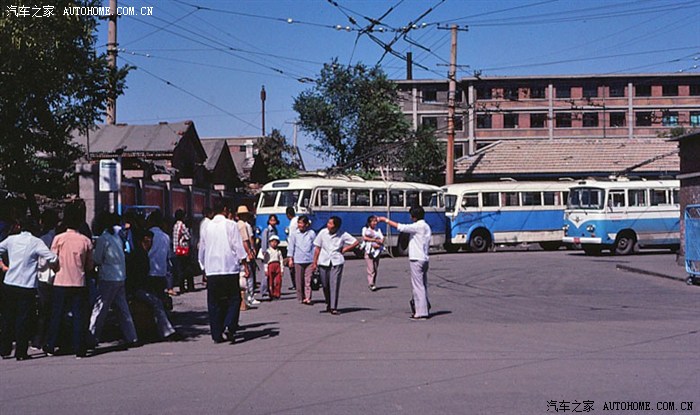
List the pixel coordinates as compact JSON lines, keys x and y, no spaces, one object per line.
{"x":489,"y":109}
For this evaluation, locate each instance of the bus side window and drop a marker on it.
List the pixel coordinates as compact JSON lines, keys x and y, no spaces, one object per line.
{"x":321,"y":198}
{"x":412,"y":198}
{"x":510,"y":198}
{"x":638,"y":197}
{"x":617,"y":198}
{"x":378,"y":197}
{"x":551,"y":198}
{"x":428,"y":199}
{"x":396,"y":198}
{"x":268,"y":199}
{"x":676,"y":197}
{"x":339,"y":197}
{"x":532,"y":198}
{"x":659,"y":197}
{"x":359,"y":197}
{"x":490,"y":199}
{"x":470,"y":200}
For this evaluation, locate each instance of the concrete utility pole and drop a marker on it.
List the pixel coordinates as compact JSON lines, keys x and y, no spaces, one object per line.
{"x":112,"y":60}
{"x":263,"y":96}
{"x":450,"y":163}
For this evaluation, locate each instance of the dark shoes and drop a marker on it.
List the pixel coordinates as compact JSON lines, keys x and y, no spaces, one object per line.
{"x":21,"y":358}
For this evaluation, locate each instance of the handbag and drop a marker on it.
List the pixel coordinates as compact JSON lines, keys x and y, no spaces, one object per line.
{"x":316,"y":280}
{"x":182,"y":251}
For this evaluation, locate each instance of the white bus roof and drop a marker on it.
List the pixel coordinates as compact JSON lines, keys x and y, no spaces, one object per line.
{"x":504,"y":186}
{"x":313,"y":182}
{"x":626,"y":184}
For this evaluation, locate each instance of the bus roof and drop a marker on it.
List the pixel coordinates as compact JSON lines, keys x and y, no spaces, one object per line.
{"x":314,"y":182}
{"x":504,"y":186}
{"x":626,"y":184}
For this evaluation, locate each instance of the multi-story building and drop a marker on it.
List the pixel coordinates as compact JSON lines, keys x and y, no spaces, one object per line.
{"x":489,"y":109}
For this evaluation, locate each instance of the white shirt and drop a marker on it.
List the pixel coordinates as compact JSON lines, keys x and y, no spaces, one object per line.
{"x":24,"y":251}
{"x":331,"y":246}
{"x":419,"y":244}
{"x":293,"y":225}
{"x":221,"y":247}
{"x":46,"y":274}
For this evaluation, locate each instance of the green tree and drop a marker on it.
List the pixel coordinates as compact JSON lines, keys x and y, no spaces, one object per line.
{"x":52,"y":82}
{"x":275,"y":159}
{"x":423,"y":158}
{"x":350,"y":112}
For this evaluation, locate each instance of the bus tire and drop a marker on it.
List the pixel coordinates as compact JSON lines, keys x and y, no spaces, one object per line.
{"x":480,"y":241}
{"x":550,"y":245}
{"x":624,"y":244}
{"x":591,"y":250}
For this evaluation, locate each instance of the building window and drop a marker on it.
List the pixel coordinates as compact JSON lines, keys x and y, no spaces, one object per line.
{"x":563,"y":120}
{"x":429,"y":95}
{"x":616,"y":90}
{"x":459,"y":150}
{"x":537,"y":92}
{"x":242,"y":149}
{"x":484,"y":92}
{"x":643,"y":119}
{"x":695,"y":118}
{"x":430,"y":122}
{"x":590,"y":91}
{"x":563,"y":92}
{"x":669,"y":90}
{"x":511,"y":93}
{"x":458,"y":95}
{"x":695,"y":89}
{"x":483,"y":121}
{"x":510,"y":120}
{"x":459,"y":123}
{"x":538,"y":120}
{"x":617,"y":119}
{"x":642,"y":90}
{"x":590,"y":119}
{"x":669,"y":119}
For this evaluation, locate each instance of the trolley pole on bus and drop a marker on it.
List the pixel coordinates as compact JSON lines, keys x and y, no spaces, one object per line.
{"x":450,"y":162}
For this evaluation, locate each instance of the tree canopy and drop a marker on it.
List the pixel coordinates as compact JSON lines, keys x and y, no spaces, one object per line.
{"x":275,"y":159}
{"x":351,"y":112}
{"x":52,"y":82}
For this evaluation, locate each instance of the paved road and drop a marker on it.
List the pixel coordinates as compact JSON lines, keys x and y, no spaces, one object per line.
{"x":510,"y":333}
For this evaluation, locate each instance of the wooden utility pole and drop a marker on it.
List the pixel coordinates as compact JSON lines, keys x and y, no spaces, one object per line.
{"x":112,"y":61}
{"x":450,"y":163}
{"x":263,"y":97}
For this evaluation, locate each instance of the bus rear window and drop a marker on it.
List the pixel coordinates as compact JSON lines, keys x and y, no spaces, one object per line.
{"x":585,"y":198}
{"x":268,"y":199}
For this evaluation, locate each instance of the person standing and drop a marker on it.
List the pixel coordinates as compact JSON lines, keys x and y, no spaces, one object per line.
{"x":19,"y":302}
{"x":246,"y":232}
{"x":300,"y":256}
{"x":208,"y":214}
{"x":49,"y":222}
{"x":160,"y":257}
{"x":111,"y":262}
{"x":221,"y":254}
{"x":372,"y":241}
{"x":293,"y":223}
{"x":269,"y":231}
{"x":74,"y":252}
{"x":330,"y":245}
{"x":418,"y":248}
{"x":181,"y":247}
{"x":273,"y":267}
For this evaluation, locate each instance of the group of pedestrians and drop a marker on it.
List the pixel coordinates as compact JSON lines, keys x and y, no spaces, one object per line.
{"x":140,"y":262}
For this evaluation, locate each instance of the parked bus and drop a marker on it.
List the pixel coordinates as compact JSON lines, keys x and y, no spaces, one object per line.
{"x":622,"y":215}
{"x":353,"y":200}
{"x":506,"y":212}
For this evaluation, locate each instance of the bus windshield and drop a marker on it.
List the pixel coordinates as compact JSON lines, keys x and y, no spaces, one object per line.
{"x":450,"y":202}
{"x":586,"y":198}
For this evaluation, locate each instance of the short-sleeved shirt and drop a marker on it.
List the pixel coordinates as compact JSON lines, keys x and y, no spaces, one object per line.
{"x":74,"y":252}
{"x":419,"y":244}
{"x":24,"y":252}
{"x":331,"y":246}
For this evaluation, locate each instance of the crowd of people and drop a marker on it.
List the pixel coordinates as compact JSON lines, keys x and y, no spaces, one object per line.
{"x":56,"y":274}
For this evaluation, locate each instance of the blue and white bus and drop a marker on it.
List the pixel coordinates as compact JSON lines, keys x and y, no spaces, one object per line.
{"x":353,"y":200}
{"x":507,"y":213}
{"x":622,"y":215}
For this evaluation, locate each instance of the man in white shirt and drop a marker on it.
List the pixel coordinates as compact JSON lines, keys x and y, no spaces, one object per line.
{"x":24,"y":251}
{"x":418,"y":247}
{"x":221,"y":253}
{"x":293,"y":226}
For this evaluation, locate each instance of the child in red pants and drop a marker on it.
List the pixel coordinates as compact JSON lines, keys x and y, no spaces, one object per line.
{"x":273,"y":267}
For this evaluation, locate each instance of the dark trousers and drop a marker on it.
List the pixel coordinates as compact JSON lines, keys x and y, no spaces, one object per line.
{"x":45,"y":291}
{"x":223,"y":303}
{"x":19,"y":309}
{"x":183,"y":273}
{"x":73,"y":299}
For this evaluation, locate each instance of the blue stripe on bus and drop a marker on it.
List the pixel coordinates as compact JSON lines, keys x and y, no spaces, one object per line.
{"x":509,"y":221}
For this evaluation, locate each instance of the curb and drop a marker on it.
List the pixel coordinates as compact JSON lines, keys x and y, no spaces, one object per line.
{"x":651,"y":273}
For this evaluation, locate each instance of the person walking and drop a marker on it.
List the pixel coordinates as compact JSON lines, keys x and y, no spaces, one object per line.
{"x":293,"y":223}
{"x":160,"y":256}
{"x":373,"y":244}
{"x":111,"y":262}
{"x":181,"y":247}
{"x":246,"y":232}
{"x":20,"y":283}
{"x":418,"y":248}
{"x":269,"y":231}
{"x":300,"y":256}
{"x":221,"y":254}
{"x":330,"y":245}
{"x":273,"y":267}
{"x":74,"y":252}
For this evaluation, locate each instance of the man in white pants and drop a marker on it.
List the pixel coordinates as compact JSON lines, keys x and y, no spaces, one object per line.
{"x":418,"y":247}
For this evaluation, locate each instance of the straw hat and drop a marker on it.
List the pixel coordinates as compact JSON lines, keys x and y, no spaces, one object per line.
{"x":242,"y":209}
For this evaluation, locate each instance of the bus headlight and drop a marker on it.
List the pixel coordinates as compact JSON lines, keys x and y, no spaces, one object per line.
{"x":590,"y":228}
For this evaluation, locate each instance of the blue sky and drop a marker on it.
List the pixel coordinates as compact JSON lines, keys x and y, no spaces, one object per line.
{"x":207,"y":60}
